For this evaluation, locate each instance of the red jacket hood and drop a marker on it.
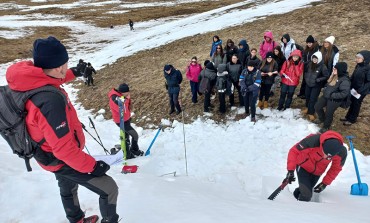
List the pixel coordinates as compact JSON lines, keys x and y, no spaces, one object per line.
{"x":24,"y":76}
{"x":328,"y":135}
{"x":295,"y":53}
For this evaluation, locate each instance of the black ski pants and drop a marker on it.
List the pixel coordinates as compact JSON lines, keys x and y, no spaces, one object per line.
{"x":107,"y":189}
{"x":286,"y":95}
{"x":222,"y":100}
{"x":265,"y":92}
{"x":306,"y":182}
{"x":250,"y":102}
{"x":174,"y":101}
{"x":354,"y":109}
{"x":231,"y":97}
{"x":312,"y":94}
{"x":326,"y":116}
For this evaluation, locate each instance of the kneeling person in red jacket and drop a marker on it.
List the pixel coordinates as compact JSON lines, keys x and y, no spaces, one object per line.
{"x":52,"y":120}
{"x":114,"y":96}
{"x":310,"y":158}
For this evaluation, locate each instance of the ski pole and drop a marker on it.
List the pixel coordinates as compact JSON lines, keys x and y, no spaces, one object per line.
{"x":93,"y":126}
{"x":183,"y":131}
{"x":84,"y":128}
{"x":155,"y":137}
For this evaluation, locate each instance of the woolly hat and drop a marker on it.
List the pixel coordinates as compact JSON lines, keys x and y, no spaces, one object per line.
{"x":123,"y":88}
{"x":341,"y":68}
{"x":310,"y":39}
{"x":270,"y":55}
{"x":251,"y":63}
{"x":210,"y":66}
{"x":206,"y":62}
{"x":360,"y":55}
{"x":332,"y":147}
{"x":167,"y":67}
{"x":49,"y":53}
{"x":330,"y":39}
{"x":80,"y":61}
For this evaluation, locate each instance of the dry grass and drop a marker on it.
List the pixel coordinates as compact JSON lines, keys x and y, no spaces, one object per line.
{"x":143,"y":71}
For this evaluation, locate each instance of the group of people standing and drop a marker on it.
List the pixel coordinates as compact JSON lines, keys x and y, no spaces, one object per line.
{"x":86,"y":70}
{"x":238,"y":68}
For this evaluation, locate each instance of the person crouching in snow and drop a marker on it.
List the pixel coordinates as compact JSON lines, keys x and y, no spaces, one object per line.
{"x":310,"y":158}
{"x":250,"y":82}
{"x":114,"y":96}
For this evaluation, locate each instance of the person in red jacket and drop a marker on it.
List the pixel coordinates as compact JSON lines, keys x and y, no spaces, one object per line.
{"x":115,"y":95}
{"x":52,"y":119}
{"x":290,"y":73}
{"x":310,"y":158}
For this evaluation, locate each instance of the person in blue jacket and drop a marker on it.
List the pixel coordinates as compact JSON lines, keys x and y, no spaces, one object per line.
{"x":173,"y":80}
{"x":216,"y":41}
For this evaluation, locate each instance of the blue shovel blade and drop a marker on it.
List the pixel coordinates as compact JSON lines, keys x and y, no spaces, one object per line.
{"x":360,"y":189}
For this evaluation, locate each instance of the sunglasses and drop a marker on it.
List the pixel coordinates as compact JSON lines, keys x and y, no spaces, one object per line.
{"x":193,"y":61}
{"x":218,"y":48}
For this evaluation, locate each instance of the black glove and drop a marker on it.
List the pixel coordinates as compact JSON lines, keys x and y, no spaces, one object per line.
{"x":166,"y":85}
{"x":290,"y":176}
{"x":75,"y":72}
{"x":100,"y":168}
{"x":320,"y":187}
{"x":318,"y":80}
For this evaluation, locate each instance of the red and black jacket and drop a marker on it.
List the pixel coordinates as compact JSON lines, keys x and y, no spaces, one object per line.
{"x":309,"y":155}
{"x":51,"y":117}
{"x":114,"y":95}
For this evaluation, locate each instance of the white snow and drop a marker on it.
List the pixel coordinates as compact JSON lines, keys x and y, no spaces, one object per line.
{"x":231,"y":168}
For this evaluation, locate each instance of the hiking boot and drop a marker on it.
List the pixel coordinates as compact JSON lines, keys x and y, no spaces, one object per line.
{"x":265,"y":104}
{"x":347,"y":123}
{"x":253,"y":119}
{"x":260,"y":104}
{"x":318,"y":121}
{"x":91,"y":219}
{"x":343,"y":119}
{"x":178,"y":112}
{"x":137,"y":152}
{"x":311,"y":118}
{"x":280,"y":108}
{"x":304,"y":111}
{"x":171,"y":111}
{"x":301,"y":96}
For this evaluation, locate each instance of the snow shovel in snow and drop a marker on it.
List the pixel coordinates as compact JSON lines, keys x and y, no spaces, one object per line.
{"x":155,"y":137}
{"x":358,"y":188}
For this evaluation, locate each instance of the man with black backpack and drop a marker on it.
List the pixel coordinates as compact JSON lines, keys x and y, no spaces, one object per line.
{"x":52,"y":121}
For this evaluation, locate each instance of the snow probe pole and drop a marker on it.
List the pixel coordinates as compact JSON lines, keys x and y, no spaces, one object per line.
{"x":278,"y":190}
{"x":357,"y":188}
{"x":183,"y":131}
{"x":84,"y":128}
{"x":93,"y":126}
{"x":155,"y":137}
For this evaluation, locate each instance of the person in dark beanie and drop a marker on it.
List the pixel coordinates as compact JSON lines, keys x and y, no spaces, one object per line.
{"x":310,"y":157}
{"x":52,"y":118}
{"x":123,"y":93}
{"x":81,"y":66}
{"x":311,"y":47}
{"x":336,"y":91}
{"x":250,"y":82}
{"x":173,"y":80}
{"x":89,"y":70}
{"x":360,"y":83}
{"x":131,"y":24}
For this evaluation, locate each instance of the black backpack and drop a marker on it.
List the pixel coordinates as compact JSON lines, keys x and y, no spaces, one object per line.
{"x":12,"y":121}
{"x":298,"y":47}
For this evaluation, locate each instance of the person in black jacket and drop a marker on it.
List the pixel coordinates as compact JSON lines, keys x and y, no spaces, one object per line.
{"x":243,"y":52}
{"x":173,"y":80}
{"x":131,"y":23}
{"x":311,"y":47}
{"x":81,"y":66}
{"x":269,"y":69}
{"x":335,"y":92}
{"x":230,"y":49}
{"x":360,"y":82}
{"x":234,"y":68}
{"x":315,"y":78}
{"x":209,"y":72}
{"x":89,"y":70}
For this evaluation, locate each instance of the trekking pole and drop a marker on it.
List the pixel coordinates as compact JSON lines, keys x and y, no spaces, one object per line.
{"x":87,"y":150}
{"x":183,"y":131}
{"x":93,"y":126}
{"x":84,"y":128}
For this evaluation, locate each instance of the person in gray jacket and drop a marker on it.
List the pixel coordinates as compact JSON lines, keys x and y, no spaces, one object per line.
{"x":315,"y":76}
{"x":336,"y":91}
{"x":208,"y":72}
{"x":234,"y":67}
{"x":223,"y":85}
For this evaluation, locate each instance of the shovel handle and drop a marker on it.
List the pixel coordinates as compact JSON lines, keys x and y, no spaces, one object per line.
{"x":354,"y":159}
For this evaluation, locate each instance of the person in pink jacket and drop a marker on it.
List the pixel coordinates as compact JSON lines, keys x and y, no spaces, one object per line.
{"x":267,"y":45}
{"x":192,"y":74}
{"x":290,"y":73}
